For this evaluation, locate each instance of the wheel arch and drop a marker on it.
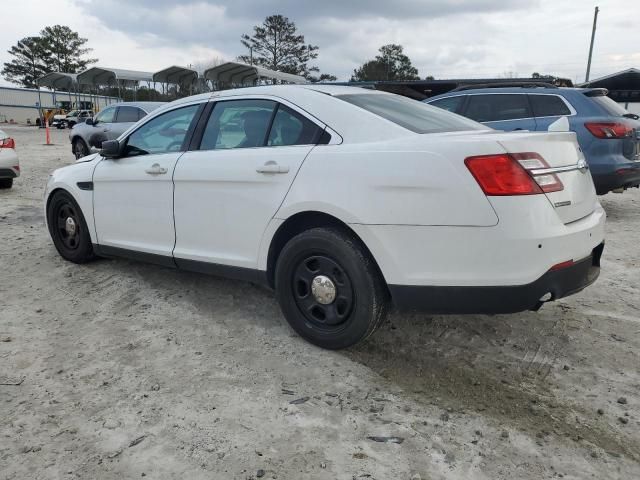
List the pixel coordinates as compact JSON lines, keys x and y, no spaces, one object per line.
{"x":301,"y":222}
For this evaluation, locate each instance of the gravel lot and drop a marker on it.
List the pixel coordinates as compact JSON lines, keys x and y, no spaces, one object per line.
{"x":118,"y":369}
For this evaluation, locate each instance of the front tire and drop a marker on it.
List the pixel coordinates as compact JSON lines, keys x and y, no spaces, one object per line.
{"x":80,"y":148}
{"x":6,"y":182}
{"x":68,"y":229}
{"x":329,"y":289}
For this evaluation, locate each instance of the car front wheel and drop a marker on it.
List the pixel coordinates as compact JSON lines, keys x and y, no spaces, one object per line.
{"x":329,"y":289}
{"x":68,"y":229}
{"x":80,"y":148}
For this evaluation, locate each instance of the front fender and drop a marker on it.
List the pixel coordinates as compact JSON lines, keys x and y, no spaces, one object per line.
{"x":67,"y":179}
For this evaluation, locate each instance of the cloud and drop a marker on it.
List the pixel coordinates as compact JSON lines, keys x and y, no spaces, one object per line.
{"x":444,"y":38}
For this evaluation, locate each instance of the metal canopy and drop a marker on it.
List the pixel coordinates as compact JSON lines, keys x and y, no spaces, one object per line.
{"x":243,"y":74}
{"x":111,"y":76}
{"x":177,"y":75}
{"x":58,"y":80}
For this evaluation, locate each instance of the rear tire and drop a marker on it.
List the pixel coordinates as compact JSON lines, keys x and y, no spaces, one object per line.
{"x":6,"y":182}
{"x":329,"y":289}
{"x":68,"y":229}
{"x":80,"y":148}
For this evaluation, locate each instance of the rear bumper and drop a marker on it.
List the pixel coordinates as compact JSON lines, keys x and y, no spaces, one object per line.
{"x":499,"y":299}
{"x":8,"y":173}
{"x":624,"y":177}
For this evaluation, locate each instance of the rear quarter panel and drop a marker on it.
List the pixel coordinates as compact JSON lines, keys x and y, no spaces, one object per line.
{"x":418,"y":180}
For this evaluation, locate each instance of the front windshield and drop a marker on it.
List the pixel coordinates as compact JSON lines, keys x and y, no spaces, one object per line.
{"x":411,"y":114}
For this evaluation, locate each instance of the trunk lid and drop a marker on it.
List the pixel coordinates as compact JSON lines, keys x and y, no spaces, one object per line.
{"x":565,"y":159}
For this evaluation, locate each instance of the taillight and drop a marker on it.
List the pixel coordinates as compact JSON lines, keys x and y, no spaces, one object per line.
{"x":511,"y":174}
{"x":7,"y":143}
{"x":609,"y":129}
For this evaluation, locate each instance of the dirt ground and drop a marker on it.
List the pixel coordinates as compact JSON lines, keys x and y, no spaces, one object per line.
{"x":118,"y":369}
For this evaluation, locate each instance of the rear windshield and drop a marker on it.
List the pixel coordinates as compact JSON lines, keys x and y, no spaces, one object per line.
{"x":609,"y":106}
{"x":411,"y":114}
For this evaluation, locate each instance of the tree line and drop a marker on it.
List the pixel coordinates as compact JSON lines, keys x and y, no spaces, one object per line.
{"x":276,"y":44}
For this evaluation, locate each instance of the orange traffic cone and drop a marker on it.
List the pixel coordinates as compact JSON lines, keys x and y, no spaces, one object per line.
{"x":48,"y":133}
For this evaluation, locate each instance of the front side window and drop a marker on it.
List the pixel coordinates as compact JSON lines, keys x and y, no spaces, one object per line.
{"x":410,"y":114}
{"x":163,"y":134}
{"x":451,"y":104}
{"x":548,"y":106}
{"x":106,"y":115}
{"x":238,"y":124}
{"x":291,"y":128}
{"x":128,"y":114}
{"x":497,"y":107}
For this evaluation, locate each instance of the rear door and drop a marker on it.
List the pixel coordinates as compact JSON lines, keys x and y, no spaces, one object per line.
{"x":502,"y":111}
{"x":565,"y":160}
{"x":548,"y":108}
{"x":232,"y":183}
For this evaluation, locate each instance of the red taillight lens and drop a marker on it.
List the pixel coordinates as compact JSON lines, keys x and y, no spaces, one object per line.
{"x":7,"y":143}
{"x":609,"y":129}
{"x":501,"y":175}
{"x":510,"y":174}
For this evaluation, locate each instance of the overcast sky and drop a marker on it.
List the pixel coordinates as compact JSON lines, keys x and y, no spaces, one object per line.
{"x":443,"y":38}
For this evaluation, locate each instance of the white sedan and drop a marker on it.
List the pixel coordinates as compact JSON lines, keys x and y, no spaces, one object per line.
{"x":9,"y":164}
{"x":345,"y":201}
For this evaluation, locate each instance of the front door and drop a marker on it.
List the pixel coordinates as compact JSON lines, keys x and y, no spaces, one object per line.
{"x":133,"y":195}
{"x":228,"y":190}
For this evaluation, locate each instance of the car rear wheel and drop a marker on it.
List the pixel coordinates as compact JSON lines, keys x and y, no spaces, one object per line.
{"x":329,"y":289}
{"x":80,"y":148}
{"x":68,"y":229}
{"x":6,"y":182}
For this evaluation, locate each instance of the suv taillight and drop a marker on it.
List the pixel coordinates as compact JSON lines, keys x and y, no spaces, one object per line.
{"x":511,"y":174}
{"x":609,"y":129}
{"x":7,"y":143}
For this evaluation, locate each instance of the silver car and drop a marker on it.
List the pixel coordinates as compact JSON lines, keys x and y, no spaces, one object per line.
{"x":108,"y":124}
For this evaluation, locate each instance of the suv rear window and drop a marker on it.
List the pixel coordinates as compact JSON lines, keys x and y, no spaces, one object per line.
{"x":608,"y":105}
{"x":497,"y":107}
{"x":548,"y":106}
{"x":410,"y":114}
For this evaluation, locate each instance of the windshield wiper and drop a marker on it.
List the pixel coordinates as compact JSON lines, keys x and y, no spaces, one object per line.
{"x":631,"y":115}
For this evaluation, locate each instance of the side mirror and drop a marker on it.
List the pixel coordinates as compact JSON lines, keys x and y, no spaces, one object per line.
{"x":110,"y":149}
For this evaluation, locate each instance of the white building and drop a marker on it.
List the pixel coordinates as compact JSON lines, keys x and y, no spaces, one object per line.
{"x":20,"y":105}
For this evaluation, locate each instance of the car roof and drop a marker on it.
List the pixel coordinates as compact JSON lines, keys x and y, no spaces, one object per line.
{"x":539,"y":90}
{"x":146,"y":106}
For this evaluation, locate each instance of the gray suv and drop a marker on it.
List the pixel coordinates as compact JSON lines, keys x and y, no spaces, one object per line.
{"x":108,"y":124}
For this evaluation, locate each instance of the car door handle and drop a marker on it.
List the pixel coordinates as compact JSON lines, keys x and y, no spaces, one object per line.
{"x":272,"y":167}
{"x":156,"y":169}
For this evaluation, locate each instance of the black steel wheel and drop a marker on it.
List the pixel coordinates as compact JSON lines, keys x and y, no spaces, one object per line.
{"x":329,"y":288}
{"x":68,"y":228}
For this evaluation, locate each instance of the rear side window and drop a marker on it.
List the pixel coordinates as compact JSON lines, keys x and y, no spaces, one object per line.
{"x":129,"y":114}
{"x":451,"y":104}
{"x":410,"y":114}
{"x":548,"y":106}
{"x":291,"y":128}
{"x":496,"y":107}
